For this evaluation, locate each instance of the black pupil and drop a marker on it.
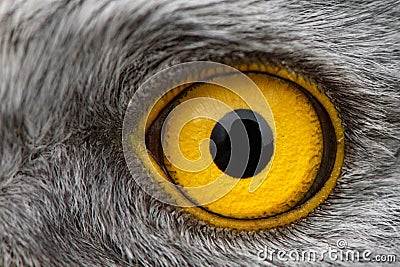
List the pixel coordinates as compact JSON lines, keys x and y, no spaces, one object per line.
{"x":242,"y":143}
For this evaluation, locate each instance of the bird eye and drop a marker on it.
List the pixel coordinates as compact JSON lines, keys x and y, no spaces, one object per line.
{"x":248,"y":148}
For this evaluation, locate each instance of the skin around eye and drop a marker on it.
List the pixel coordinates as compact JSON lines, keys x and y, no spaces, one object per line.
{"x":285,"y":160}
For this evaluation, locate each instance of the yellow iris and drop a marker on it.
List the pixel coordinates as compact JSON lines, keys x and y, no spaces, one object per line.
{"x":296,"y":161}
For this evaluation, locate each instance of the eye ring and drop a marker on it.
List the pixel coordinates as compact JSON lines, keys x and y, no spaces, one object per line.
{"x":335,"y":160}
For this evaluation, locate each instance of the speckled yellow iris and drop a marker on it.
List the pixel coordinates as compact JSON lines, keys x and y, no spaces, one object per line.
{"x":282,"y":184}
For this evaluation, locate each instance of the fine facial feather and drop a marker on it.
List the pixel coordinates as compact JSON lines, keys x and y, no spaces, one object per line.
{"x":69,"y":69}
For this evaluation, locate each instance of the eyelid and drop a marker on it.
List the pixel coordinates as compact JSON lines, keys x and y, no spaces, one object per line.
{"x":307,"y":204}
